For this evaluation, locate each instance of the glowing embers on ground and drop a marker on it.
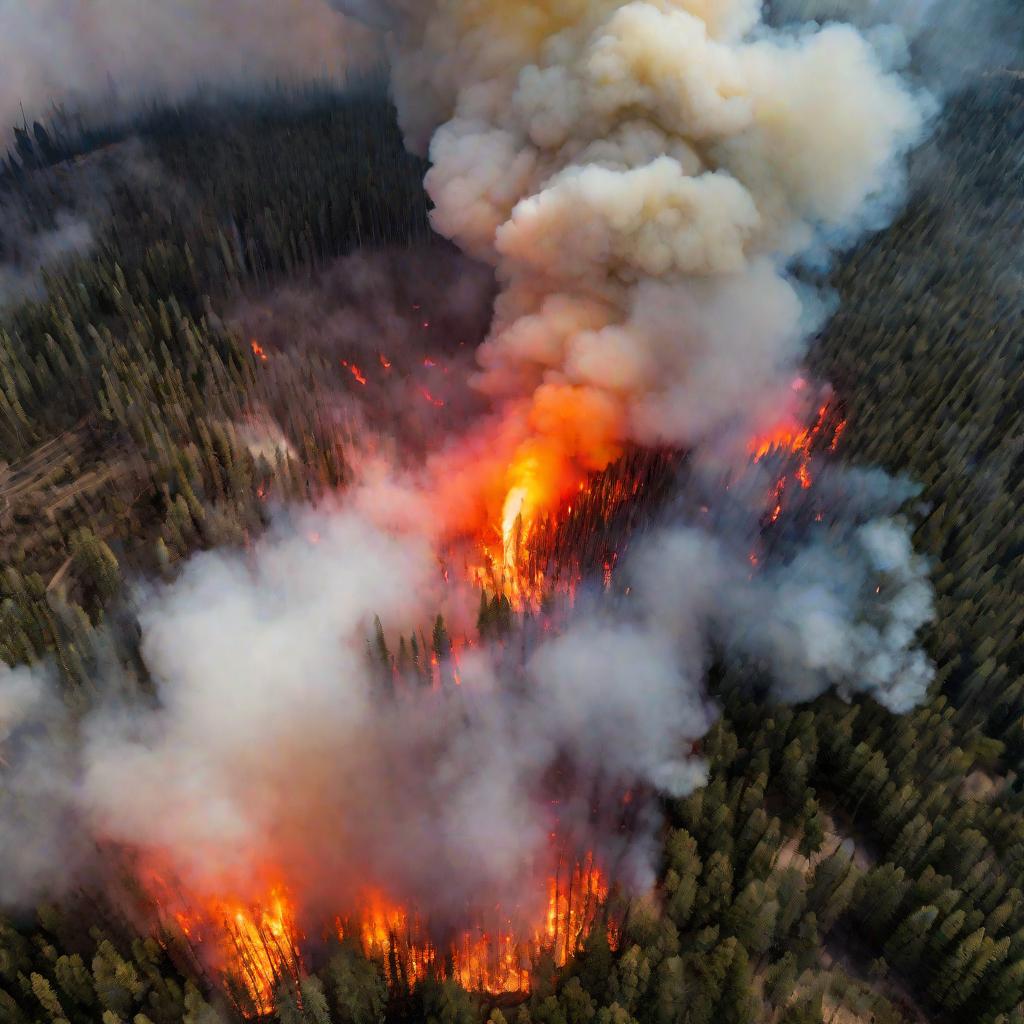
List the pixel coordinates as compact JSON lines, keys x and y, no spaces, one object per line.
{"x":496,"y":951}
{"x":357,"y":374}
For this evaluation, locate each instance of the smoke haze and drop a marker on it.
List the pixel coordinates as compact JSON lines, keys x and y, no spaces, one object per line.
{"x":949,"y":43}
{"x":109,"y":55}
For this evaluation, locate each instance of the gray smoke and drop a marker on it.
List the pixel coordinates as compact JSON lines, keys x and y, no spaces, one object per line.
{"x":111,"y":55}
{"x":839,"y":614}
{"x":273,"y":741}
{"x":946,"y":43}
{"x":58,"y":214}
{"x":29,"y":253}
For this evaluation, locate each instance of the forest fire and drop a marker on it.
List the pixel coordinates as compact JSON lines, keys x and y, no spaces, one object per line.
{"x":357,"y":374}
{"x":336,"y":825}
{"x":802,"y":441}
{"x":553,"y":532}
{"x":551,"y":536}
{"x":495,"y":954}
{"x":255,"y":947}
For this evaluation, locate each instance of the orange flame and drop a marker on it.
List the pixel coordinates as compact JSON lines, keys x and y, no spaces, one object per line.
{"x":354,"y":370}
{"x":257,"y":350}
{"x":438,"y":402}
{"x":258,"y":946}
{"x":799,"y":441}
{"x":492,"y":955}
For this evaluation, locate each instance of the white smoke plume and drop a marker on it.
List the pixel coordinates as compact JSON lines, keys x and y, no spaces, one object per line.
{"x":845,"y":615}
{"x":275,"y":749}
{"x":115,"y":54}
{"x":642,"y":175}
{"x":37,"y":746}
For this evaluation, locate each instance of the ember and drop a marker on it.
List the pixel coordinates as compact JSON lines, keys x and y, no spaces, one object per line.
{"x":354,"y":370}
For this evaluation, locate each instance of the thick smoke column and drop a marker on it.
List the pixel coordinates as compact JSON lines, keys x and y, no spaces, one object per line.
{"x":641,"y":175}
{"x":95,"y":53}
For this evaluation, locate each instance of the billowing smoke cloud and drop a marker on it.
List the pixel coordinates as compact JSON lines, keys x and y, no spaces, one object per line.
{"x":37,"y":757}
{"x":106,"y":54}
{"x":641,"y":175}
{"x":846,"y":616}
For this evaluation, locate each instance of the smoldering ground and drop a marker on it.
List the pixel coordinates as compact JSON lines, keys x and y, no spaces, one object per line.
{"x":387,"y":338}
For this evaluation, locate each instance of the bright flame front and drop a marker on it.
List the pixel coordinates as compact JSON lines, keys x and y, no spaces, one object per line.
{"x":257,"y":947}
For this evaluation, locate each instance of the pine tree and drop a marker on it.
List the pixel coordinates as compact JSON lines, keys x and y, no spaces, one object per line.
{"x":356,"y":990}
{"x":813,"y":828}
{"x":96,"y":565}
{"x":780,"y":980}
{"x":577,"y":1007}
{"x":792,"y":775}
{"x":877,"y":896}
{"x":832,"y":885}
{"x":483,"y":617}
{"x":715,"y":892}
{"x":48,"y":999}
{"x":907,"y":943}
{"x":441,"y":644}
{"x":791,"y":896}
{"x":737,"y":1003}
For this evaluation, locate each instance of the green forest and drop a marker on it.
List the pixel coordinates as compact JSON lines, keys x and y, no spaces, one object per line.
{"x":842,"y":865}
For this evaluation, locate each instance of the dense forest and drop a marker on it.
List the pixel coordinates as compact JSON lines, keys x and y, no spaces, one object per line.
{"x":842,"y":865}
